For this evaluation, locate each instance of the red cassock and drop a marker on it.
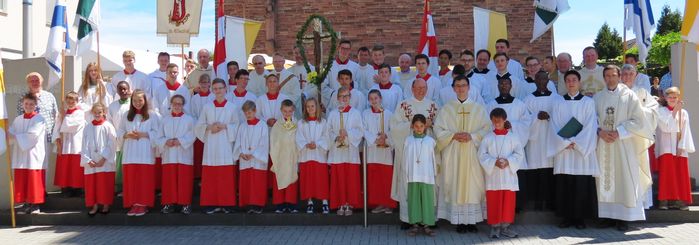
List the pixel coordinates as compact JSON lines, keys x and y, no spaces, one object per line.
{"x":29,"y":185}
{"x":198,"y":156}
{"x":379,"y":182}
{"x":314,"y":180}
{"x":653,"y":160}
{"x":218,"y":185}
{"x":673,"y":179}
{"x":177,"y":184}
{"x":158,"y":172}
{"x":501,"y":206}
{"x":345,"y":186}
{"x":99,"y":188}
{"x":138,"y":188}
{"x":287,"y":195}
{"x":69,"y":173}
{"x":253,"y":187}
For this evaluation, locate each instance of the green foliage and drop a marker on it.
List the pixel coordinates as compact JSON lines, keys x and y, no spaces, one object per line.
{"x":321,"y":73}
{"x":670,"y":21}
{"x":659,"y":52}
{"x":608,"y":43}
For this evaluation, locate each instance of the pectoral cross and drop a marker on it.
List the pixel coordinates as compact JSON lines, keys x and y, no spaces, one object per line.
{"x":463,"y":114}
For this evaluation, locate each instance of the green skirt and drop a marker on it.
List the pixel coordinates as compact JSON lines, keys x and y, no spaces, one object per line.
{"x":421,"y":208}
{"x":117,"y":181}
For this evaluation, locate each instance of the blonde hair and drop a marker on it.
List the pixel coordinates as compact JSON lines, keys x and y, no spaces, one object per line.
{"x":128,"y":54}
{"x":101,"y":90}
{"x":305,"y":112}
{"x":72,"y":95}
{"x":672,"y":90}
{"x":34,"y":74}
{"x":98,"y":105}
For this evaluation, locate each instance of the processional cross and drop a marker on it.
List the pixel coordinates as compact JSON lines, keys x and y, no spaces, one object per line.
{"x":316,"y":37}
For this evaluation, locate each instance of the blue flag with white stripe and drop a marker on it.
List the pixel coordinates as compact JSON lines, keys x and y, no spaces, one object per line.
{"x":57,"y":43}
{"x":639,"y":18}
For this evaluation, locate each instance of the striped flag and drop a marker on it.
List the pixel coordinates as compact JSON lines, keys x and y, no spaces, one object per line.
{"x":639,"y":18}
{"x":690,"y":24}
{"x":220,"y":48}
{"x":546,"y":12}
{"x":57,"y":43}
{"x":240,"y":37}
{"x":87,"y":20}
{"x":428,"y":40}
{"x":488,"y":26}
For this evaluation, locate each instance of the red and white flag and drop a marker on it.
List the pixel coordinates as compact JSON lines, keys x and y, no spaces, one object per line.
{"x":220,"y":49}
{"x":428,"y":40}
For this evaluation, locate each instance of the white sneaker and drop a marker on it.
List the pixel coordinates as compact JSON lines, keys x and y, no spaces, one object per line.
{"x":379,"y":209}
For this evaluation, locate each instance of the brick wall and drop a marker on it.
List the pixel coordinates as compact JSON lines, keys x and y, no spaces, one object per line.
{"x":395,"y":24}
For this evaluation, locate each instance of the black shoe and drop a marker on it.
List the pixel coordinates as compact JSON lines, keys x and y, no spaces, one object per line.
{"x":472,"y":228}
{"x":461,"y":228}
{"x":186,"y":209}
{"x":605,"y":223}
{"x":580,"y":225}
{"x":622,"y":226}
{"x":405,"y":226}
{"x":566,"y":223}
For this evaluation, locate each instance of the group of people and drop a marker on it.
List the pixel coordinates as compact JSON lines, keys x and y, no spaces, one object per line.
{"x":478,"y":141}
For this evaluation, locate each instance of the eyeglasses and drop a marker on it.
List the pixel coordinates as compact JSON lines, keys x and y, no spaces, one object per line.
{"x":258,"y":63}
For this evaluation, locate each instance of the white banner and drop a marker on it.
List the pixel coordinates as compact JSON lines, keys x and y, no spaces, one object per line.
{"x":179,"y":16}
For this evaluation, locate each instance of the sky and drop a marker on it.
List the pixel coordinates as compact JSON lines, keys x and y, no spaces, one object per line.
{"x":131,"y":23}
{"x":577,"y":28}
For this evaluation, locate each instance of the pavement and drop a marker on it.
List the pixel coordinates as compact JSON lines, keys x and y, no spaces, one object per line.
{"x":641,"y":233}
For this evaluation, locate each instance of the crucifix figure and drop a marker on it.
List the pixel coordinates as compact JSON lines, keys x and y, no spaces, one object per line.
{"x":463,"y":114}
{"x":316,"y":38}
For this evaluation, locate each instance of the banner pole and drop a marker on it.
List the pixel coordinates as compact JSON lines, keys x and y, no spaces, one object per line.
{"x":364,"y":187}
{"x":9,"y":175}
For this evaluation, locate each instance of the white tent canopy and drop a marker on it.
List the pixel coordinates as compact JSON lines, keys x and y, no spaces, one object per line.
{"x":111,"y":62}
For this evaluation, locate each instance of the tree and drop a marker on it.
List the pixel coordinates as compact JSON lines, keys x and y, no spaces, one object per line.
{"x":670,"y":21}
{"x":659,"y":52}
{"x":608,"y":43}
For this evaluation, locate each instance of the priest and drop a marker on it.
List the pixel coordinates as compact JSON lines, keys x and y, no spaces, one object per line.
{"x":405,"y":76}
{"x":257,"y":80}
{"x":288,"y":81}
{"x":203,"y":57}
{"x":591,"y":73}
{"x":623,"y":136}
{"x":649,"y":105}
{"x":459,"y":129}
{"x":400,"y":129}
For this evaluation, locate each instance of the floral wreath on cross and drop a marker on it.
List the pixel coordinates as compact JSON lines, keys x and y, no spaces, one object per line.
{"x":318,"y":76}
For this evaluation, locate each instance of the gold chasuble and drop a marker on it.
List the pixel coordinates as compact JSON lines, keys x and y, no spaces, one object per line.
{"x":460,"y":172}
{"x":284,"y":153}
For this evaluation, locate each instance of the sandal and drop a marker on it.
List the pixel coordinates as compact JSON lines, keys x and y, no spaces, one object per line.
{"x":428,"y":231}
{"x":413,"y":230}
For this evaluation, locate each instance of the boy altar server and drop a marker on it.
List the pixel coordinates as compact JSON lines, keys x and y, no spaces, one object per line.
{"x":216,"y":128}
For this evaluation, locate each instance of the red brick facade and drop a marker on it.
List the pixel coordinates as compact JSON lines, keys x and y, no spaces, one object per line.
{"x":395,"y":24}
